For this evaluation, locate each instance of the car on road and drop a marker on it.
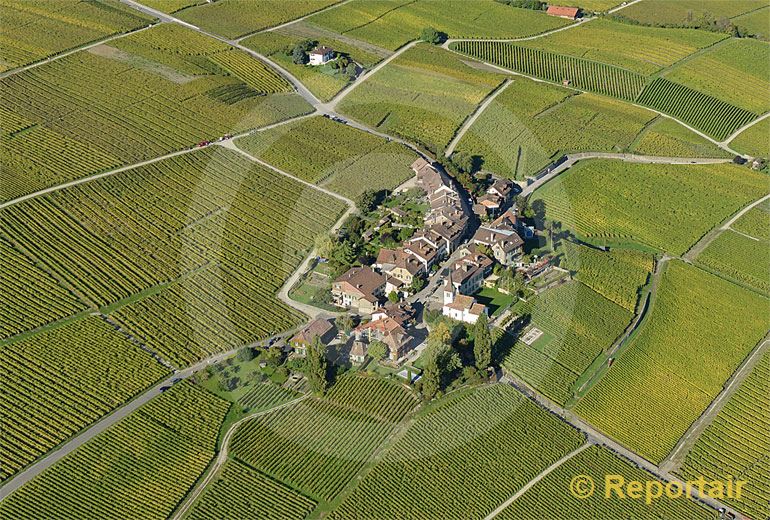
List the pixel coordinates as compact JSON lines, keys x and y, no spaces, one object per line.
{"x":164,"y":388}
{"x":203,"y":143}
{"x":176,"y":380}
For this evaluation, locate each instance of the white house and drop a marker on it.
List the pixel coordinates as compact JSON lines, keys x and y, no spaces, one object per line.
{"x":461,"y":307}
{"x":321,"y":55}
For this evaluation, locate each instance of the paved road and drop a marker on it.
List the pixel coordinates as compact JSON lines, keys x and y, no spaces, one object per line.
{"x":222,"y":456}
{"x":745,"y":127}
{"x":475,"y":115}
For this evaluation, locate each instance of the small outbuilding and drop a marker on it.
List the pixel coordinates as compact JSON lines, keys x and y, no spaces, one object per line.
{"x":570,"y":13}
{"x":321,"y":55}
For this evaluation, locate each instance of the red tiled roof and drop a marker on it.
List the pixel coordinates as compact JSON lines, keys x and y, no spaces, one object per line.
{"x":556,"y":10}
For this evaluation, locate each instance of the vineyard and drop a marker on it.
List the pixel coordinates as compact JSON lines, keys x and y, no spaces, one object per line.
{"x":424,"y":95}
{"x":581,"y":73}
{"x":240,"y":492}
{"x":381,"y":399}
{"x":739,"y":258}
{"x":755,"y":222}
{"x":736,"y":444}
{"x":172,"y":97}
{"x":753,"y":140}
{"x":705,"y":113}
{"x":265,"y":396}
{"x":665,"y":12}
{"x":171,"y":6}
{"x":32,"y":297}
{"x":461,"y":458}
{"x":392,"y":24}
{"x":140,"y":468}
{"x":59,"y":381}
{"x":668,"y":138}
{"x":551,"y":498}
{"x":668,"y":207}
{"x":35,"y":29}
{"x":617,"y":274}
{"x":677,"y":363}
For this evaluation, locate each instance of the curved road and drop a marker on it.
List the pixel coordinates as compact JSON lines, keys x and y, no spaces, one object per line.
{"x":474,"y":116}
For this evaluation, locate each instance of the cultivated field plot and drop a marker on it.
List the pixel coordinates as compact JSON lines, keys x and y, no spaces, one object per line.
{"x":736,"y":72}
{"x":617,"y":274}
{"x":667,"y":138}
{"x":241,"y":492}
{"x":755,"y":22}
{"x":755,"y":222}
{"x":59,"y":381}
{"x":64,"y":120}
{"x":140,"y":468}
{"x":461,"y":458}
{"x":424,"y":95}
{"x":171,"y":6}
{"x":592,"y":5}
{"x":265,"y":396}
{"x":317,"y":446}
{"x":739,"y":258}
{"x":226,"y":231}
{"x":668,"y":207}
{"x":678,"y":361}
{"x":530,"y":124}
{"x":687,"y":11}
{"x":33,"y":30}
{"x":391,"y":24}
{"x":551,"y":498}
{"x":754,"y":141}
{"x":234,"y":18}
{"x":644,"y":50}
{"x":736,"y":444}
{"x":580,"y":324}
{"x":32,"y":297}
{"x":345,"y":159}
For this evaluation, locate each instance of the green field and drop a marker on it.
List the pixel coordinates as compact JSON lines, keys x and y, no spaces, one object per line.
{"x":62,"y":380}
{"x":687,"y":11}
{"x":171,"y":6}
{"x":579,"y":324}
{"x":530,"y":123}
{"x":736,"y":444}
{"x":677,"y":362}
{"x":667,"y":138}
{"x":756,"y":22}
{"x":737,"y":72}
{"x":63,"y":120}
{"x":391,"y":24}
{"x":754,"y":140}
{"x":234,"y":18}
{"x":345,"y":159}
{"x":739,"y":258}
{"x":668,"y":207}
{"x":644,"y":50}
{"x":461,"y":458}
{"x":33,"y":30}
{"x":140,"y":468}
{"x":424,"y":95}
{"x":264,"y":396}
{"x":755,"y":222}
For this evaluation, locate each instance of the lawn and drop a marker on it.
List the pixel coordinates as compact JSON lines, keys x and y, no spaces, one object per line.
{"x":645,"y":50}
{"x":678,"y":361}
{"x":753,"y":140}
{"x":423,"y":95}
{"x":668,"y":207}
{"x":668,"y":138}
{"x":495,"y":300}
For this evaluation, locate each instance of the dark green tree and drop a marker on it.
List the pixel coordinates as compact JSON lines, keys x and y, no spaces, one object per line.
{"x":299,"y":56}
{"x":431,"y":35}
{"x":482,"y":343}
{"x":316,"y":366}
{"x":367,"y":201}
{"x":377,"y":350}
{"x":439,"y":341}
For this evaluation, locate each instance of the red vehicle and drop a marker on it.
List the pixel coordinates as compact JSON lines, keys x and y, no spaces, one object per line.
{"x":203,"y":143}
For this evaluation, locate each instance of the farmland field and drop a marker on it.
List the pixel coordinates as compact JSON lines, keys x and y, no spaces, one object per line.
{"x":234,"y":18}
{"x":579,"y":324}
{"x":755,"y":222}
{"x":59,"y":381}
{"x":265,"y":396}
{"x":241,"y":492}
{"x":740,"y":258}
{"x":530,"y":124}
{"x":461,"y":458}
{"x":685,"y":11}
{"x":677,"y":362}
{"x":736,"y":444}
{"x":140,"y":468}
{"x":32,"y":31}
{"x":644,"y":50}
{"x":737,"y":72}
{"x":345,"y":159}
{"x":592,"y":5}
{"x":391,"y":24}
{"x":667,"y":138}
{"x":171,"y":6}
{"x":754,"y":140}
{"x":668,"y":207}
{"x":62,"y":121}
{"x":423,"y":95}
{"x":550,"y":498}
{"x":756,"y":22}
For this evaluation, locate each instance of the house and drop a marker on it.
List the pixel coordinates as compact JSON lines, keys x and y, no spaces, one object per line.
{"x":322,"y":329}
{"x":491,"y":204}
{"x":501,"y":238}
{"x":403,"y":313}
{"x":468,"y":273}
{"x":388,"y":330}
{"x":358,"y":352}
{"x":360,"y":288}
{"x":502,"y":188}
{"x":570,"y":13}
{"x":399,"y":264}
{"x":460,"y":307}
{"x":423,"y":251}
{"x":321,"y":55}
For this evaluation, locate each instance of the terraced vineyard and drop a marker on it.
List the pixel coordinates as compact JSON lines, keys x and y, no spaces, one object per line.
{"x":241,"y":492}
{"x":461,"y":458}
{"x":140,"y":468}
{"x":57,"y":382}
{"x":677,"y":363}
{"x":736,"y":444}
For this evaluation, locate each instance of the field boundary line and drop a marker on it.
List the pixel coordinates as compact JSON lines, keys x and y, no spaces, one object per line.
{"x":745,"y":127}
{"x":239,"y":39}
{"x":537,"y":479}
{"x":221,"y":457}
{"x":475,"y":115}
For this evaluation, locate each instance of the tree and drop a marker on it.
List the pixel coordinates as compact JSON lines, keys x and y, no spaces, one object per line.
{"x":393,"y":297}
{"x":431,"y":35}
{"x":417,"y":284}
{"x":344,"y":322}
{"x":367,"y":201}
{"x":439,"y":341}
{"x":246,"y":354}
{"x":316,"y":366}
{"x":482,"y":343}
{"x":351,"y":70}
{"x":345,"y":253}
{"x":324,"y":246}
{"x":273,"y":355}
{"x":378,"y":350}
{"x":299,"y":56}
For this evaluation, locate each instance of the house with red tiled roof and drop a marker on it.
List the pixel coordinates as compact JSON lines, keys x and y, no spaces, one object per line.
{"x":501,"y":238}
{"x":322,"y":329}
{"x":360,"y":288}
{"x":571,"y":13}
{"x":388,"y":330}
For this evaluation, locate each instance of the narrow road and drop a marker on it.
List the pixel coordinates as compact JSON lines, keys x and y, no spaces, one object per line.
{"x":535,"y":480}
{"x":222,"y":456}
{"x":745,"y":127}
{"x":475,"y":115}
